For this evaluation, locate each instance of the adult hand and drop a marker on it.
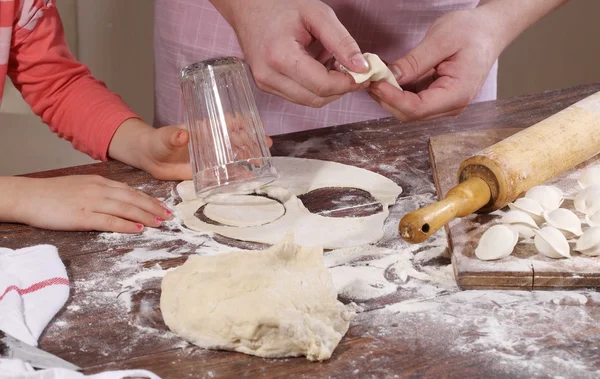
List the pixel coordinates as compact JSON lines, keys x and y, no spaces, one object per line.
{"x":82,"y":203}
{"x":274,"y":36}
{"x":449,"y":66}
{"x":445,"y":71}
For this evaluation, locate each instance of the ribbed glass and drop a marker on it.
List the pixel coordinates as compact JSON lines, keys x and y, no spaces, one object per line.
{"x":228,"y":150}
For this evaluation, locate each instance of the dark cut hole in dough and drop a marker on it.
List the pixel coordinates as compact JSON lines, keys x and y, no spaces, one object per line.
{"x":204,"y":218}
{"x":341,"y":202}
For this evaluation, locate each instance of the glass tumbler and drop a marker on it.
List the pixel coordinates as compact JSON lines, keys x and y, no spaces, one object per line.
{"x":227,"y":146}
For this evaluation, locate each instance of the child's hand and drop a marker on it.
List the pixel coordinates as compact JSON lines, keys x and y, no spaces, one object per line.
{"x":82,"y":203}
{"x":161,"y":152}
{"x":165,"y":153}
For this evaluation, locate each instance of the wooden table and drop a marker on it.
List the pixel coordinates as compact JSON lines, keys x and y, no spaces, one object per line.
{"x":404,"y":333}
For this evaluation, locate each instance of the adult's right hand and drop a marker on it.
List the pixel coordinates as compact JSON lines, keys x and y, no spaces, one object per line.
{"x":274,"y":36}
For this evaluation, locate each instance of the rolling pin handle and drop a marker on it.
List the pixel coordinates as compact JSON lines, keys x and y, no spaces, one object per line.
{"x":460,"y":201}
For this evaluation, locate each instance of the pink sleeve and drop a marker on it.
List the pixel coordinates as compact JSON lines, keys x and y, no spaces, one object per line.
{"x":58,"y":88}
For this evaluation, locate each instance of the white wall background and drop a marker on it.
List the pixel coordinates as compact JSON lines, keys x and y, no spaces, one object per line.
{"x":114,"y":38}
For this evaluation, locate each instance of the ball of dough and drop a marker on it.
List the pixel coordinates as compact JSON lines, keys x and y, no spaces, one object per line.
{"x":279,"y":302}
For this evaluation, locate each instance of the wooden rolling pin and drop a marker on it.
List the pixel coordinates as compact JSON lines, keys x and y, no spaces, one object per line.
{"x":500,"y":173}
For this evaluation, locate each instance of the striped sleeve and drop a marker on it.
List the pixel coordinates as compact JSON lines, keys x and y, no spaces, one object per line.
{"x":58,"y":88}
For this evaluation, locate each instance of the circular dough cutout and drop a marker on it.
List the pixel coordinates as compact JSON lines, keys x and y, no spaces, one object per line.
{"x":244,"y":210}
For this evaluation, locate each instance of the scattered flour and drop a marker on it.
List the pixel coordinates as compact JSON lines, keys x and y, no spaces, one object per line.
{"x":401,"y":291}
{"x":143,"y":255}
{"x":412,"y":306}
{"x":133,"y":282}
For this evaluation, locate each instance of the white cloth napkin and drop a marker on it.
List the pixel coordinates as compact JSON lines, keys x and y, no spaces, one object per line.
{"x":33,"y":287}
{"x":15,"y":369}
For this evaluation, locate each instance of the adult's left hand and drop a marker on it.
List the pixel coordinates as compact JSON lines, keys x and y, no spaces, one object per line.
{"x":445,"y":71}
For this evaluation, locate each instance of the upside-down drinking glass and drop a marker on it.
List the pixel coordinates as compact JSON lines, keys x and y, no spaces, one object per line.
{"x":227,"y":146}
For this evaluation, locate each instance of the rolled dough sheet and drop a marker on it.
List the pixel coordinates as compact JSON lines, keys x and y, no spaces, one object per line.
{"x":298,"y":176}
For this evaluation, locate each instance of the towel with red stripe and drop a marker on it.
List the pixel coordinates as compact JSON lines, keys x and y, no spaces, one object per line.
{"x":33,"y":287}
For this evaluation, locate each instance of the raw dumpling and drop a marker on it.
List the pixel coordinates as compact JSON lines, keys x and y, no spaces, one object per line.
{"x":549,"y":197}
{"x":590,"y":177}
{"x":588,"y":200}
{"x":522,"y":222}
{"x":377,"y":71}
{"x":550,"y":242}
{"x":593,"y":220}
{"x":589,"y":242}
{"x":565,"y":221}
{"x":529,"y":206}
{"x":497,"y":242}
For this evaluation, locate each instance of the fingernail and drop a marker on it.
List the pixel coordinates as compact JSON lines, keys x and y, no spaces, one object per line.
{"x":396,"y":71}
{"x":140,"y":226}
{"x":158,"y":220}
{"x":168,"y":212}
{"x":337,"y":66}
{"x":360,"y":62}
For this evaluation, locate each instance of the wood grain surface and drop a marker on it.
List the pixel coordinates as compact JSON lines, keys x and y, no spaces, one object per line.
{"x":525,"y":268}
{"x":454,"y":334}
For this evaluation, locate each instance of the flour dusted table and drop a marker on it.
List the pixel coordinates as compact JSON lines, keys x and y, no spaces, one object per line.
{"x":453,"y":333}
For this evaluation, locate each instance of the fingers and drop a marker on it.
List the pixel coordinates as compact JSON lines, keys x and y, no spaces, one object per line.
{"x":174,"y":137}
{"x":324,"y":25}
{"x":166,"y":155}
{"x":119,"y":185}
{"x":292,"y":91}
{"x":425,"y":81}
{"x":130,"y":211}
{"x":124,"y":210}
{"x":444,"y":97}
{"x":313,"y":76}
{"x":420,"y":60}
{"x":107,"y":223}
{"x":286,"y":69}
{"x":174,"y":171}
{"x":269,"y":141}
{"x":152,"y":207}
{"x":147,"y":208}
{"x":325,"y":58}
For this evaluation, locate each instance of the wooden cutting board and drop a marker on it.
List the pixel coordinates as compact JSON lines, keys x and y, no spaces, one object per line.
{"x":525,"y":268}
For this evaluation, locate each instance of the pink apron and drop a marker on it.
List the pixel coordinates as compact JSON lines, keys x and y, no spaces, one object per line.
{"x":188,"y":31}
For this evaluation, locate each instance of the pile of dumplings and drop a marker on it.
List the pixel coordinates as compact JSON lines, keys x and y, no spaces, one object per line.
{"x":538,"y":216}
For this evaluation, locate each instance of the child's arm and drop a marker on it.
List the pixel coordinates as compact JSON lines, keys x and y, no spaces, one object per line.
{"x":78,"y":202}
{"x":58,"y":88}
{"x":80,"y":108}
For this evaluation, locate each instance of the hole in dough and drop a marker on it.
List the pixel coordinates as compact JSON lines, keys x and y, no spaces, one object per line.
{"x":204,"y":218}
{"x":298,"y":177}
{"x":241,"y":211}
{"x":341,"y":202}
